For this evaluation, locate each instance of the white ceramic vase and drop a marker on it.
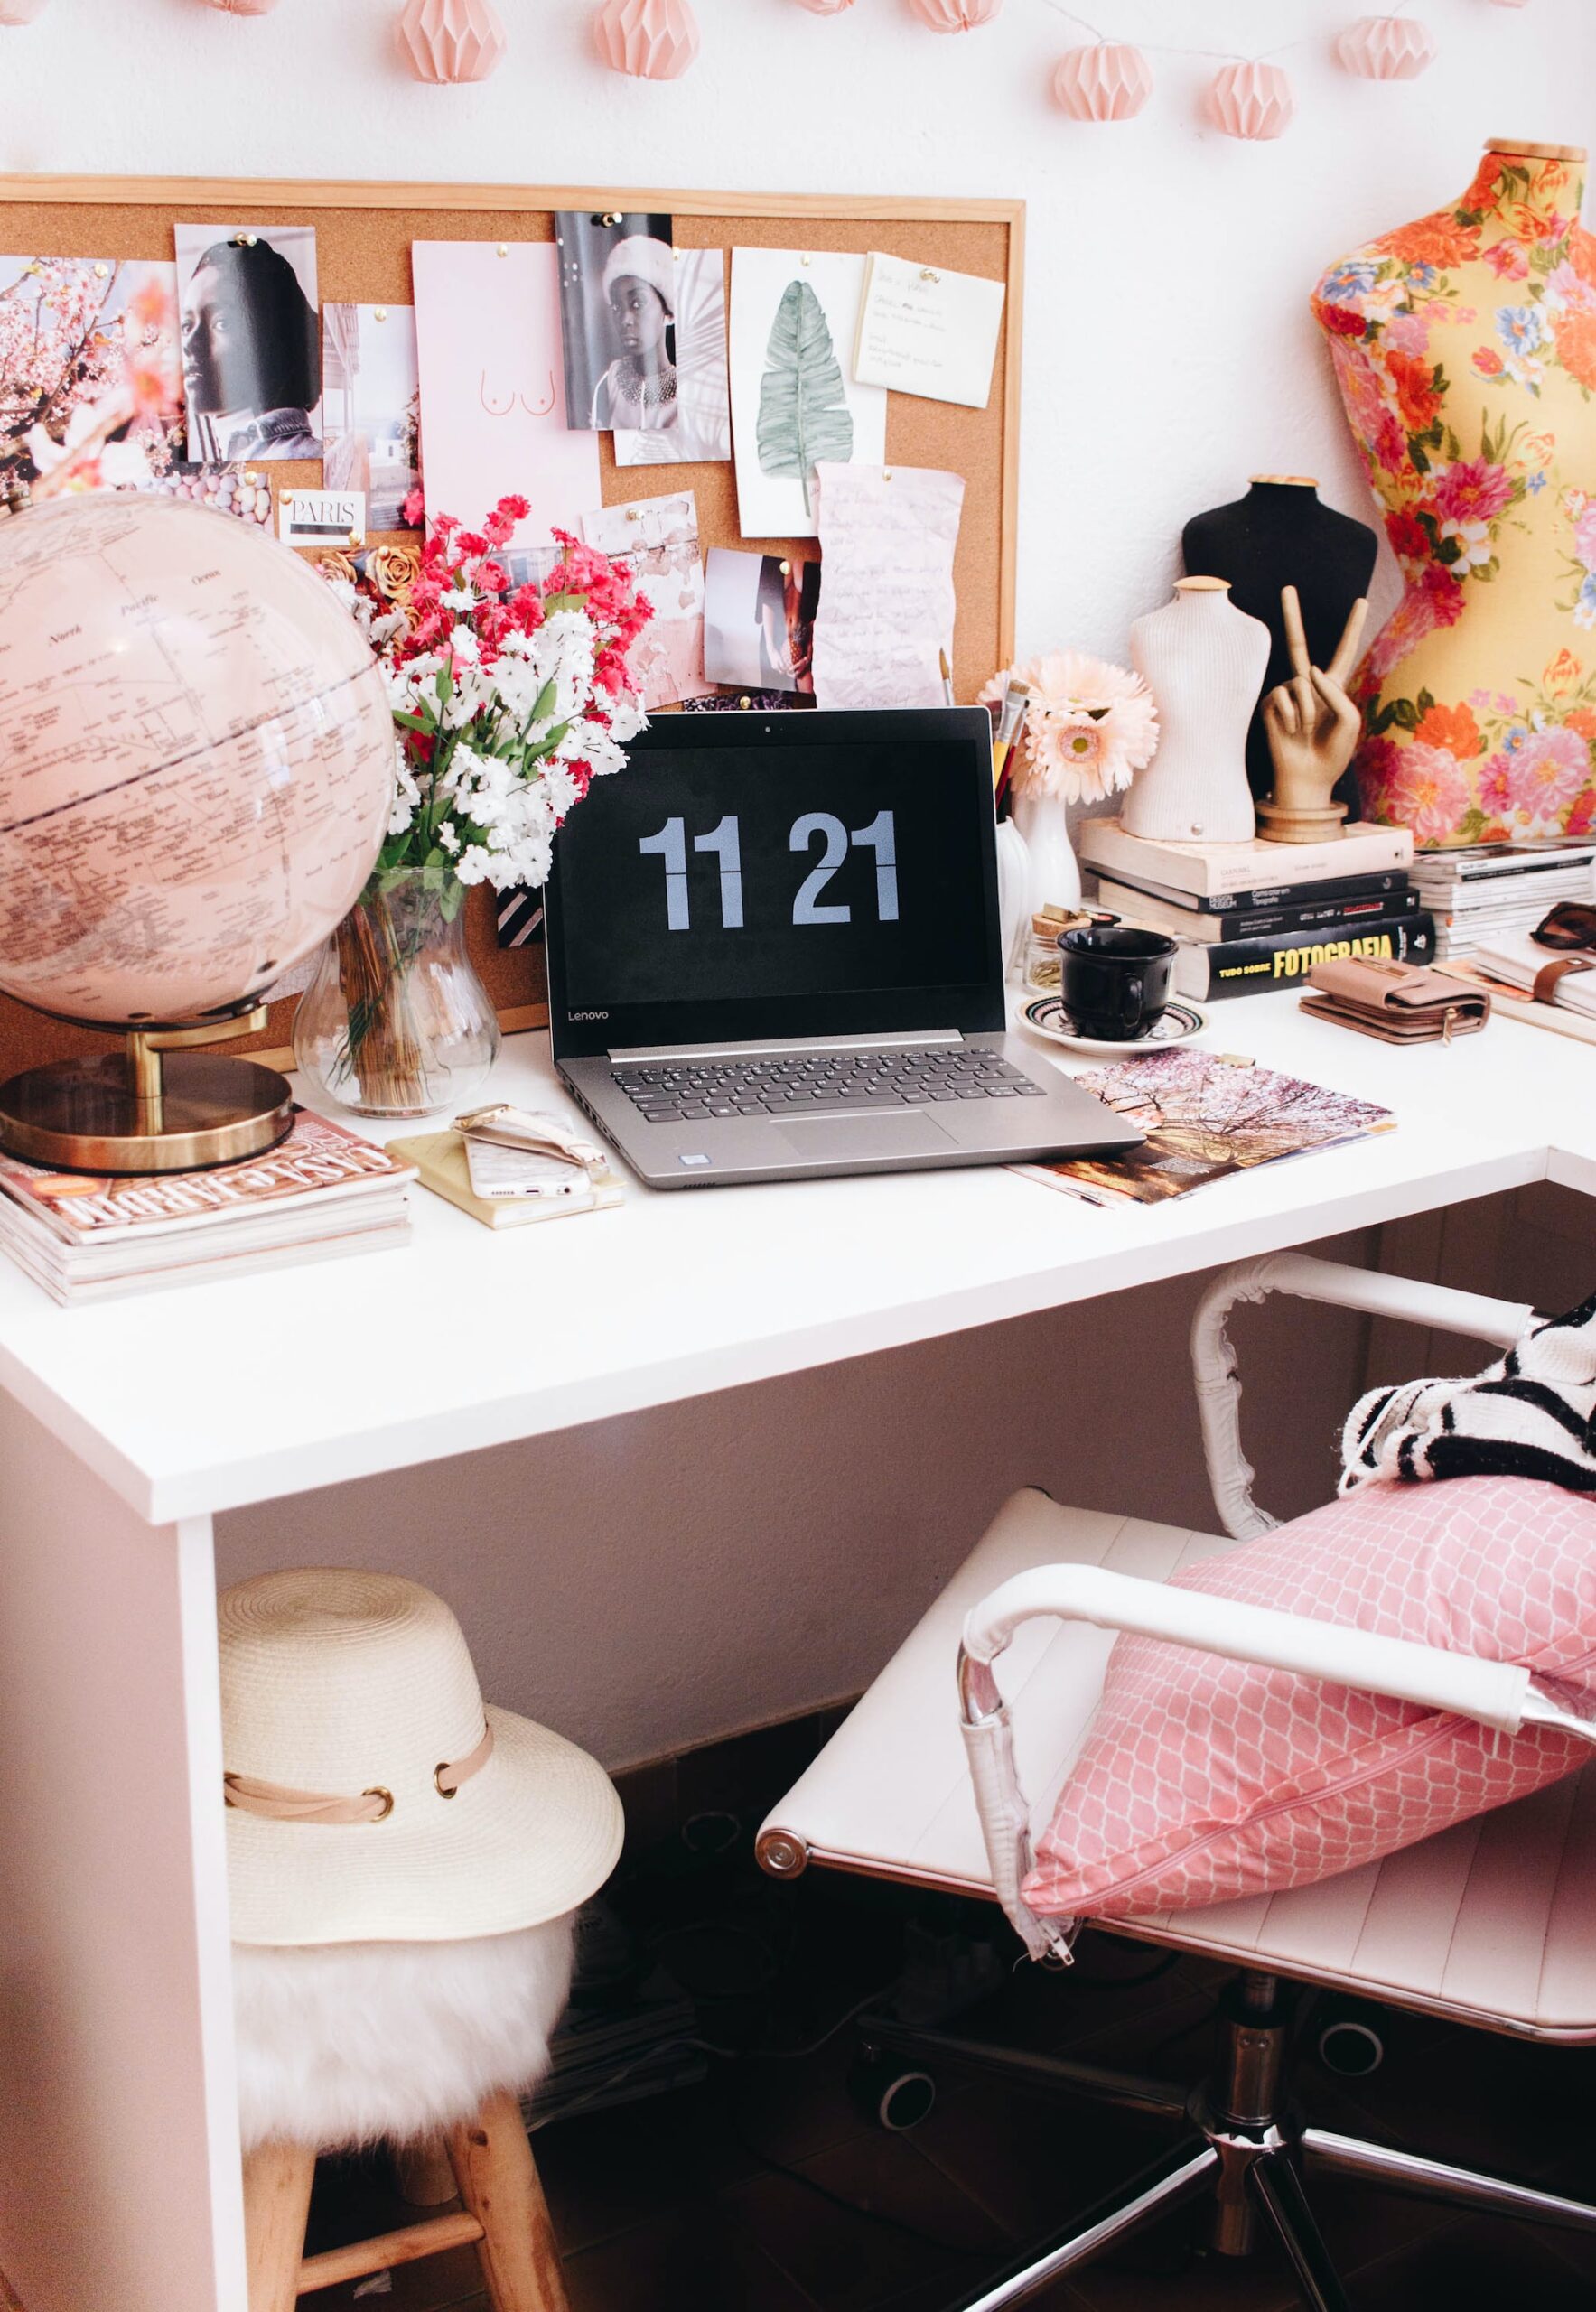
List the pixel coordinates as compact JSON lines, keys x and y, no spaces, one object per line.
{"x":1054,"y":876}
{"x":1204,"y":661}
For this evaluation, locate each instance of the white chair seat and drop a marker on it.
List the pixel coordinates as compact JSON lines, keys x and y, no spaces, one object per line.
{"x":1493,"y":1922}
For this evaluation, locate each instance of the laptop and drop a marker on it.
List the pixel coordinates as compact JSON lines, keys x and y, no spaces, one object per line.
{"x":774,"y":953}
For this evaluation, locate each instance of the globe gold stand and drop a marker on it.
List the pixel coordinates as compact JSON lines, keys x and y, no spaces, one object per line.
{"x":162,"y":1105}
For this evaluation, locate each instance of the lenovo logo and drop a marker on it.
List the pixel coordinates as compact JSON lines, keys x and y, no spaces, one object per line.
{"x":587,"y":1015}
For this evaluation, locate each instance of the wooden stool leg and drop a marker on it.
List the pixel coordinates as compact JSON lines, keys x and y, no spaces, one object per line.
{"x":498,"y":2179}
{"x":276,"y":2202}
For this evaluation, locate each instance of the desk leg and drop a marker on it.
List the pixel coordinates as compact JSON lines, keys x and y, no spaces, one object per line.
{"x":120,"y":2187}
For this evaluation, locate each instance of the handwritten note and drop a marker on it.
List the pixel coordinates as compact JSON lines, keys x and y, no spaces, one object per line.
{"x":887,"y":540}
{"x":494,"y":388}
{"x":658,"y":538}
{"x":925,"y":331}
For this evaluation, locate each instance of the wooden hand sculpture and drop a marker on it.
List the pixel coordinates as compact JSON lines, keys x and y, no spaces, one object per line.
{"x":1313,"y":730}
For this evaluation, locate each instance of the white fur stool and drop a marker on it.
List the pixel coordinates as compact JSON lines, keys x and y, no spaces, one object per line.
{"x":403,"y":1866}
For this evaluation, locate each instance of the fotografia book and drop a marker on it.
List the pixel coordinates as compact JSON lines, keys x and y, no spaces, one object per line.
{"x":1260,"y":967}
{"x":321,"y":1191}
{"x":1256,"y":923}
{"x":1214,"y":870}
{"x":1206,"y":1117}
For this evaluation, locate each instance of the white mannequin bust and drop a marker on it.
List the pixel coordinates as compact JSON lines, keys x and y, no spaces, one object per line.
{"x":1204,"y":661}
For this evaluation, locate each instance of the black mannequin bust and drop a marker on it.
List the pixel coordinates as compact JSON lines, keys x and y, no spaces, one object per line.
{"x":1281,"y":534}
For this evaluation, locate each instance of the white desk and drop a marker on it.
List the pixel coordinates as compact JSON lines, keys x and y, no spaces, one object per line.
{"x":126,"y":1428}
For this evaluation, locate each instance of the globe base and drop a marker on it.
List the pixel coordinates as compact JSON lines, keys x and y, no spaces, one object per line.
{"x":85,"y":1115}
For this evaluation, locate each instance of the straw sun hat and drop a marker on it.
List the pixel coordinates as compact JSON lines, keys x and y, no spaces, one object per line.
{"x":371,"y":1797}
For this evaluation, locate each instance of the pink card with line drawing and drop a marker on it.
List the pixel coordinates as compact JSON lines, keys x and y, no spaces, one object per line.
{"x":492,"y":388}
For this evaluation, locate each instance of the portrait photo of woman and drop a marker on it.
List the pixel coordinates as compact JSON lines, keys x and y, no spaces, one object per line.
{"x":644,"y":330}
{"x":251,"y":342}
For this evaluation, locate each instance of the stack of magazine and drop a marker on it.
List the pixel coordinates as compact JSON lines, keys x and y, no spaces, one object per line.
{"x":1495,"y":890}
{"x":319,"y":1192}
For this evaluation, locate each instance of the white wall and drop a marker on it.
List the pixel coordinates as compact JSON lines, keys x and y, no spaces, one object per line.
{"x":1168,"y":351}
{"x":656,"y":1580}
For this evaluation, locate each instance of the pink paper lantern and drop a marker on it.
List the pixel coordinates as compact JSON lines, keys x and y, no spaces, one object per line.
{"x":825,"y":7}
{"x":246,"y":7}
{"x":1387,"y":48}
{"x":653,"y":40}
{"x":20,"y":12}
{"x":1109,"y":82}
{"x":445,"y":41}
{"x":955,"y":15}
{"x":1253,"y":101}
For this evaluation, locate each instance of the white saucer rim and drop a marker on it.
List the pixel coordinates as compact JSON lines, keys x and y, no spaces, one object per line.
{"x":1099,"y":1047}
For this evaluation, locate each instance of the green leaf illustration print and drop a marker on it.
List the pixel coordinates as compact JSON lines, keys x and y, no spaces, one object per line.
{"x":803,"y":415}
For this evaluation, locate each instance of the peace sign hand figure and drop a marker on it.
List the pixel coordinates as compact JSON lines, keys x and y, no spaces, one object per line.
{"x":1313,"y":729}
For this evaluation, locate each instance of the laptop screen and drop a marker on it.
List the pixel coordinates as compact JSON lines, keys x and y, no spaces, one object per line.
{"x":790,"y":874}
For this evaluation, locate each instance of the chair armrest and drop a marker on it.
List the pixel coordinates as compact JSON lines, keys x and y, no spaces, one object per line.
{"x":1493,"y":1693}
{"x":1213,"y":1360}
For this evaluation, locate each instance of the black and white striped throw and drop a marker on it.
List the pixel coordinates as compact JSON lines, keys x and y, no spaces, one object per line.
{"x":1532,"y":1414}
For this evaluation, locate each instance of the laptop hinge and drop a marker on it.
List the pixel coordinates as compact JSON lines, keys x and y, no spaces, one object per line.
{"x":779,"y":1047}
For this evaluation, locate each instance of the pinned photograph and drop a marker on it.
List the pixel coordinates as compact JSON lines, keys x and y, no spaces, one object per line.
{"x":794,"y":314}
{"x":371,"y":408}
{"x":758,"y":621}
{"x":617,"y":295}
{"x":657,"y":540}
{"x":91,"y":373}
{"x":697,"y":420}
{"x":251,"y":340}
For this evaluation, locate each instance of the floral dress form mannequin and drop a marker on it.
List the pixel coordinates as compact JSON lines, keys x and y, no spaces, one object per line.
{"x":1465,"y":349}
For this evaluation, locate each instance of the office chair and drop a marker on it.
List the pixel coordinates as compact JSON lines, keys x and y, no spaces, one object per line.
{"x":938,"y":1776}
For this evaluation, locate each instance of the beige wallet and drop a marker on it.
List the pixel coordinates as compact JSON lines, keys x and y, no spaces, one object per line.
{"x":1401,"y":1003}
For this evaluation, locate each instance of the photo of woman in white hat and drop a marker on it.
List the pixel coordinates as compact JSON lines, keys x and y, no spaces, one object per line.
{"x":644,"y":327}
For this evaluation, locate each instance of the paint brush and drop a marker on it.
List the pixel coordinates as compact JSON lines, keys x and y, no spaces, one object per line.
{"x":1016,"y":698}
{"x":946,"y":678}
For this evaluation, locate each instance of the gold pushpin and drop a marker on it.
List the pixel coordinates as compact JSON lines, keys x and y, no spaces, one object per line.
{"x":504,"y":249}
{"x":926,"y":274}
{"x":379,"y":313}
{"x":244,"y":240}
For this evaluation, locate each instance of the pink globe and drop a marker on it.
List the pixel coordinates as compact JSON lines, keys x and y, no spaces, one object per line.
{"x":198,"y":759}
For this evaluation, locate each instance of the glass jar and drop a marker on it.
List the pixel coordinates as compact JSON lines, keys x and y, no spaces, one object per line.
{"x":396,"y":1021}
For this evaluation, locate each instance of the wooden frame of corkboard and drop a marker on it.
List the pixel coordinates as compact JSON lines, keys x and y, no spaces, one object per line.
{"x":363,"y":236}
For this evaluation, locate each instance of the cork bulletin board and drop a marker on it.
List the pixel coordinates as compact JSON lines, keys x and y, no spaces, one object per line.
{"x":363,"y":236}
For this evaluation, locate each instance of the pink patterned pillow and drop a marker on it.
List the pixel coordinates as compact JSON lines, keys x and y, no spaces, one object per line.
{"x":1203,"y":1779}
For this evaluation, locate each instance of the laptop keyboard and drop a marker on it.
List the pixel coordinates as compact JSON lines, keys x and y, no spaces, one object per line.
{"x":863,"y":1080}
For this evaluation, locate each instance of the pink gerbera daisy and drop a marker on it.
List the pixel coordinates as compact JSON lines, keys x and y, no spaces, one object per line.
{"x":1089,"y":726}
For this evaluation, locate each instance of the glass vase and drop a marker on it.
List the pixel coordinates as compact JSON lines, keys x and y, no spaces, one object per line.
{"x":396,"y":1021}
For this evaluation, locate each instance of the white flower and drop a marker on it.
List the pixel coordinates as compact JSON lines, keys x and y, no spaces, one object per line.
{"x":465,"y":645}
{"x":447,"y":837}
{"x":459,"y":598}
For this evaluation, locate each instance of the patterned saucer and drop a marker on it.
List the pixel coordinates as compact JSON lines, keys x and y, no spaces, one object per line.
{"x":1177,"y":1023}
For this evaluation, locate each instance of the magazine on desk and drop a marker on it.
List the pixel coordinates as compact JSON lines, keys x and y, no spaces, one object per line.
{"x":321,"y":1191}
{"x":1206,"y":1116}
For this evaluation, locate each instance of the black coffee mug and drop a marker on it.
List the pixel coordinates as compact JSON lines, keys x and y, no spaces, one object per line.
{"x":1116,"y":980}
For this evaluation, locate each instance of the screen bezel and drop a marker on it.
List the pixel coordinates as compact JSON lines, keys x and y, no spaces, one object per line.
{"x":973,"y":1008}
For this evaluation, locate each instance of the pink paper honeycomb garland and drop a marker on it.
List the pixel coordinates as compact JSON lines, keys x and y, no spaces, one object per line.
{"x":955,"y":15}
{"x":653,"y":40}
{"x":21,"y":12}
{"x":825,"y":7}
{"x":446,"y":41}
{"x":245,"y":7}
{"x":1252,"y":101}
{"x":1387,"y":48}
{"x":1110,"y":81}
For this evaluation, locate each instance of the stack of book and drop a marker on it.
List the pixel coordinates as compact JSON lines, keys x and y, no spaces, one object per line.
{"x":1490,"y":893}
{"x":1252,"y":917}
{"x":319,"y":1192}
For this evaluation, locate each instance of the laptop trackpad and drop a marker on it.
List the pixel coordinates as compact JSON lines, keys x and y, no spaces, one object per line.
{"x":858,"y":1137}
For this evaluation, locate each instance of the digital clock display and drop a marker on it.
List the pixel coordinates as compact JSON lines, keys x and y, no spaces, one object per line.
{"x":701,"y":873}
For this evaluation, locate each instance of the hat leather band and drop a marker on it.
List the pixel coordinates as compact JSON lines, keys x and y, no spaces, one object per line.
{"x":274,"y":1804}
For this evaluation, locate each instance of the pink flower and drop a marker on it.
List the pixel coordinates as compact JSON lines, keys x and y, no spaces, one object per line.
{"x":1584,"y":537}
{"x":1508,"y":260}
{"x":1408,"y":332}
{"x":1427,"y":793}
{"x":1545,"y":775}
{"x":1473,"y":491}
{"x":1496,"y":789}
{"x":1434,"y":599}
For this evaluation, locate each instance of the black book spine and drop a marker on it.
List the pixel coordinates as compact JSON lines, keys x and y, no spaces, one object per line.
{"x":1263,"y":966}
{"x":1269,"y":922}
